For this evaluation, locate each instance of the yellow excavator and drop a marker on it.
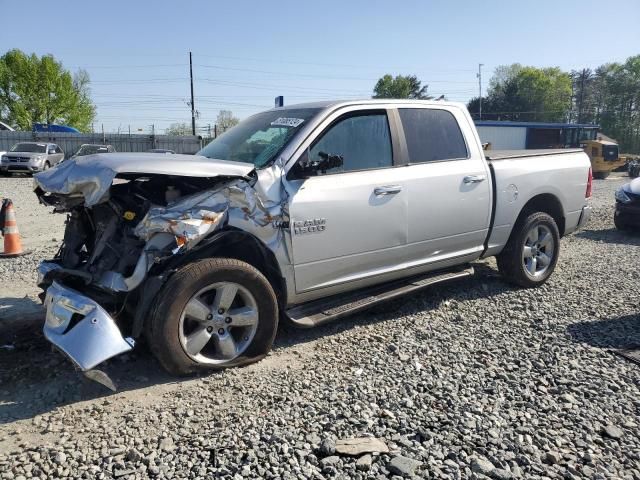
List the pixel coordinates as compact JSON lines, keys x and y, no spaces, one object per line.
{"x":604,"y":156}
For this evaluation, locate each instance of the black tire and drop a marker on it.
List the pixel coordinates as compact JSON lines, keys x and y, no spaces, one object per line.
{"x":600,"y":175}
{"x":510,"y":261}
{"x":619,"y":223}
{"x":164,"y":324}
{"x":46,"y":166}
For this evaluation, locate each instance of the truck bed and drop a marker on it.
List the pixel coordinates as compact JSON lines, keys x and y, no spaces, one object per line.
{"x":495,"y":155}
{"x":520,"y":175}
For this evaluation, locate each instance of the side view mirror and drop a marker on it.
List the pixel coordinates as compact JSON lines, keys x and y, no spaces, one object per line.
{"x":308,"y":168}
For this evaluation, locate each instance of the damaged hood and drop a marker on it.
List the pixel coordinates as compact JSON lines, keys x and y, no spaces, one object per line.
{"x":91,"y":176}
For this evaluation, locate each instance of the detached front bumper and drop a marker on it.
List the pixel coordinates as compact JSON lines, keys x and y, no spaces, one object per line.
{"x":82,"y":329}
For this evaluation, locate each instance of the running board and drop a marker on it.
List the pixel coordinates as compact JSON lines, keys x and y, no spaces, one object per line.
{"x":317,"y":312}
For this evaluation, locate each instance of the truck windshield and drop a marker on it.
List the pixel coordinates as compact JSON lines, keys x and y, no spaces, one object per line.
{"x":29,"y":147}
{"x":260,"y":138}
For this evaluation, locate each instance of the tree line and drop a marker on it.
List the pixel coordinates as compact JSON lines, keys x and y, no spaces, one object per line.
{"x":37,"y":89}
{"x":608,"y":96}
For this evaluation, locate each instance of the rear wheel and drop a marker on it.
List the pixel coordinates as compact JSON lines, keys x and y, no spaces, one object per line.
{"x":619,"y":223}
{"x":531,"y":254}
{"x":213,"y":314}
{"x":600,"y":175}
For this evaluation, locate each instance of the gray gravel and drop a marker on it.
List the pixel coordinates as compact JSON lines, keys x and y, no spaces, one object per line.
{"x":470,"y":380}
{"x":41,"y":230}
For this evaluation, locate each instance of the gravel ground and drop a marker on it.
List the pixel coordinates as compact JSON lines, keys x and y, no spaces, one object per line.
{"x":41,"y":233}
{"x":469,"y":380}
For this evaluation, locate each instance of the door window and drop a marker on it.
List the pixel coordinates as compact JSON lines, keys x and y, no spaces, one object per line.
{"x":363,"y":142}
{"x":432,"y":135}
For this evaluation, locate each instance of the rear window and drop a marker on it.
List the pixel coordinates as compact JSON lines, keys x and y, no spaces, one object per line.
{"x":610,"y":152}
{"x":432,"y":135}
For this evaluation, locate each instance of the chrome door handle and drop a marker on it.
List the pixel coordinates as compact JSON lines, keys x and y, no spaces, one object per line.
{"x":474,"y":179}
{"x":387,"y":190}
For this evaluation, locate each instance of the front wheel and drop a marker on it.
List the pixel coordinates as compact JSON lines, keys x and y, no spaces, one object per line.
{"x":531,"y":253}
{"x":213,"y":314}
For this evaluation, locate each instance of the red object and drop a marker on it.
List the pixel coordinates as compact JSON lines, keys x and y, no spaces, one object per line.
{"x":12,"y":243}
{"x":589,"y":184}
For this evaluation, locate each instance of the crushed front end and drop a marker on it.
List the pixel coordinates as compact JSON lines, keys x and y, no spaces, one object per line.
{"x":123,"y":234}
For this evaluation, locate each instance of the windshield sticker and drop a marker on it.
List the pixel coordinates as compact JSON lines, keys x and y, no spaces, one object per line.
{"x":287,"y":122}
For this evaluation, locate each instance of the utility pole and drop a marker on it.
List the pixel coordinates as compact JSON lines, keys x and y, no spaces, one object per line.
{"x":479,"y":75}
{"x":193,"y":107}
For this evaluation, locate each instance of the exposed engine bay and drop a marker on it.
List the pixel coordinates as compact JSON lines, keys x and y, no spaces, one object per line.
{"x":103,"y":238}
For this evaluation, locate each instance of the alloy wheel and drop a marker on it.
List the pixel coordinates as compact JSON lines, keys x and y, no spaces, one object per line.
{"x":218,"y":323}
{"x":538,"y":251}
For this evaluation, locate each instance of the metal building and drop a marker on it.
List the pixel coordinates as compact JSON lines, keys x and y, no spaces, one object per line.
{"x":534,"y":135}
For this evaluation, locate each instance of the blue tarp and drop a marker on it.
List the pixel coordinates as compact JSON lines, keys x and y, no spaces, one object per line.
{"x":43,"y":127}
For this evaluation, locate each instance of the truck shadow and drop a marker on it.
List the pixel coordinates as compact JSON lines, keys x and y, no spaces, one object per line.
{"x":35,"y":379}
{"x":611,"y":235}
{"x":19,"y":316}
{"x":615,"y":333}
{"x":484,"y":283}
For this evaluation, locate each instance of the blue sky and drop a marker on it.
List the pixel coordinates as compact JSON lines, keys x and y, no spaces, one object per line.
{"x":246,"y":52}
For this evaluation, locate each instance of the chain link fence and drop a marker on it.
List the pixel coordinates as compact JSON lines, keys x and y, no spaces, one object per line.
{"x":123,"y":142}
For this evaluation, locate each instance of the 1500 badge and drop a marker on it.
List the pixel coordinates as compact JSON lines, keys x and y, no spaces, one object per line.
{"x":314,"y":225}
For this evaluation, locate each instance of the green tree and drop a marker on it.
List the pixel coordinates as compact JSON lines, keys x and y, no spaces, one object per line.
{"x":39,"y":90}
{"x":616,"y":102}
{"x":225,"y":121}
{"x":400,"y":87}
{"x":178,"y":129}
{"x":524,"y":93}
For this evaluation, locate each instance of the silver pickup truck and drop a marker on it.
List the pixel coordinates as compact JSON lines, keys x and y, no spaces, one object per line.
{"x":301,"y":214}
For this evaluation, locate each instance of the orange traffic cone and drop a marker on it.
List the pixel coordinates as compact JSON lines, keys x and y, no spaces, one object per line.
{"x":9,"y":228}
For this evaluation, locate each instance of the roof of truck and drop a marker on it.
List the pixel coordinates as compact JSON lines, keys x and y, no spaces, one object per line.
{"x":368,"y":101}
{"x":509,"y":123}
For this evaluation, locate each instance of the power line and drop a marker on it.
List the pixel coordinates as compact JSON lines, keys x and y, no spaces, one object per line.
{"x":321,"y":64}
{"x":312,"y":75}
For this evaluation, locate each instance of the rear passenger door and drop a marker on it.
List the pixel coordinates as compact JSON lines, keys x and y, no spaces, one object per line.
{"x":448,"y":187}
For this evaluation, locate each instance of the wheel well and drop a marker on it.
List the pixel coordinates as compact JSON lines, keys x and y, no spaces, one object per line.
{"x":247,"y":248}
{"x":549,"y":204}
{"x":227,"y":243}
